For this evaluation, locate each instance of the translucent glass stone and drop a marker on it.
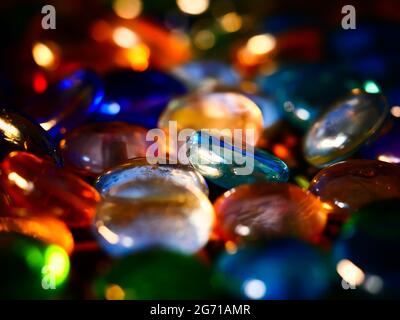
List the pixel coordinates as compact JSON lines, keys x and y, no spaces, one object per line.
{"x":229,"y":166}
{"x":67,"y":103}
{"x":92,"y":148}
{"x":140,"y":169}
{"x":270,"y":210}
{"x":347,"y":125}
{"x":348,"y":185}
{"x":207,"y":74}
{"x":277,"y":270}
{"x":220,"y":111}
{"x":153,"y":213}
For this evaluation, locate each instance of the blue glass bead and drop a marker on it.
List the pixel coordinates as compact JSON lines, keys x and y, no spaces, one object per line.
{"x":229,"y":166}
{"x":68,"y":103}
{"x":278,"y":270}
{"x":205,"y":74}
{"x":18,"y":133}
{"x":386,"y":147}
{"x":137,"y":97}
{"x":366,"y":253}
{"x":140,"y":169}
{"x":304,"y":92}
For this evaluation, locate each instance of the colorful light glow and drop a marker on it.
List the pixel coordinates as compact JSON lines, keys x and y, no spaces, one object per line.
{"x":231,"y":22}
{"x":127,"y":9}
{"x":139,"y":57}
{"x":204,"y":39}
{"x":261,"y":44}
{"x":125,"y":37}
{"x":193,"y":7}
{"x":43,"y":55}
{"x":57,"y":261}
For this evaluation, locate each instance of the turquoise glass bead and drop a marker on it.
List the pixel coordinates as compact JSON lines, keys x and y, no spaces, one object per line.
{"x":229,"y":166}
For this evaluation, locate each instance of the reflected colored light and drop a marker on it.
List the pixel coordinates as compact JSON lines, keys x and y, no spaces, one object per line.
{"x":124,"y":37}
{"x":373,"y":284}
{"x":332,"y":142}
{"x":242,"y":230}
{"x":230,"y":247}
{"x":302,"y":182}
{"x":43,"y":55}
{"x":280,"y":151}
{"x":350,"y":272}
{"x":193,"y":6}
{"x":261,"y":44}
{"x":20,"y":182}
{"x":204,"y":39}
{"x":101,"y":31}
{"x":110,"y":108}
{"x":139,"y":57}
{"x":9,"y":131}
{"x":254,"y":289}
{"x":395,"y":111}
{"x":389,"y":158}
{"x":49,"y":124}
{"x":107,"y":234}
{"x":39,"y":82}
{"x":371,"y":87}
{"x":231,"y":22}
{"x":303,"y":114}
{"x":57,"y":261}
{"x":114,"y":292}
{"x":127,"y":9}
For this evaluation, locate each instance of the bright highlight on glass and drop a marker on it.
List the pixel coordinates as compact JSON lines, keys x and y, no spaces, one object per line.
{"x":254,"y":289}
{"x":124,"y":37}
{"x":231,"y":22}
{"x":193,"y":6}
{"x":350,"y":272}
{"x":43,"y":55}
{"x":261,"y":44}
{"x":57,"y":261}
{"x":127,"y":9}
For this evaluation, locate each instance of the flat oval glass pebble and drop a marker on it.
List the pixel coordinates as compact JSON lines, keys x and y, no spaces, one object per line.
{"x":348,"y":185}
{"x":42,"y":269}
{"x":47,"y":229}
{"x":140,"y":169}
{"x":156,"y":274}
{"x":268,"y":210}
{"x":220,"y":111}
{"x":67,"y":103}
{"x":278,"y":270}
{"x":137,"y":97}
{"x":19,"y":133}
{"x":35,"y":183}
{"x":207,"y":74}
{"x":92,"y":148}
{"x":153,"y":213}
{"x":365,"y":252}
{"x":348,"y":125}
{"x":229,"y":166}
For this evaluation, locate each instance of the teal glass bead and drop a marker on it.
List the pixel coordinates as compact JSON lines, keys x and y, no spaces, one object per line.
{"x":229,"y":166}
{"x":156,"y":274}
{"x":278,"y":270}
{"x":140,"y":169}
{"x":366,"y":252}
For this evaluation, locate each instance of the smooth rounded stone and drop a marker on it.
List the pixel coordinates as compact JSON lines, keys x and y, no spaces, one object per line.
{"x":140,"y":169}
{"x":19,"y":133}
{"x":153,"y":213}
{"x":229,"y":166}
{"x":92,"y":148}
{"x":386,"y":147}
{"x":206,"y":74}
{"x":270,"y":210}
{"x":219,"y":111}
{"x":366,"y":252}
{"x":348,"y":185}
{"x":294,"y":88}
{"x":277,"y":270}
{"x":67,"y":103}
{"x":31,"y":269}
{"x":36,"y":184}
{"x":45,"y":228}
{"x":138,"y":97}
{"x":155,"y":274}
{"x":346,"y":126}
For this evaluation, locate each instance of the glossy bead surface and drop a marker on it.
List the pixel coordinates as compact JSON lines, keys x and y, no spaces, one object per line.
{"x":207,"y":74}
{"x":45,"y":228}
{"x":367,"y":246}
{"x":284,"y":269}
{"x":140,"y":169}
{"x":19,"y":133}
{"x":31,"y":269}
{"x":138,"y":97}
{"x":348,"y":125}
{"x":92,"y":148}
{"x":67,"y":103}
{"x":348,"y":185}
{"x":155,"y":275}
{"x":35,"y":183}
{"x":218,"y":111}
{"x":153,"y":213}
{"x":229,"y":166}
{"x":268,"y":210}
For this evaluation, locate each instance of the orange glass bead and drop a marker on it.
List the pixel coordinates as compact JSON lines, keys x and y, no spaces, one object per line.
{"x":44,"y":228}
{"x":270,"y":210}
{"x":37,"y":184}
